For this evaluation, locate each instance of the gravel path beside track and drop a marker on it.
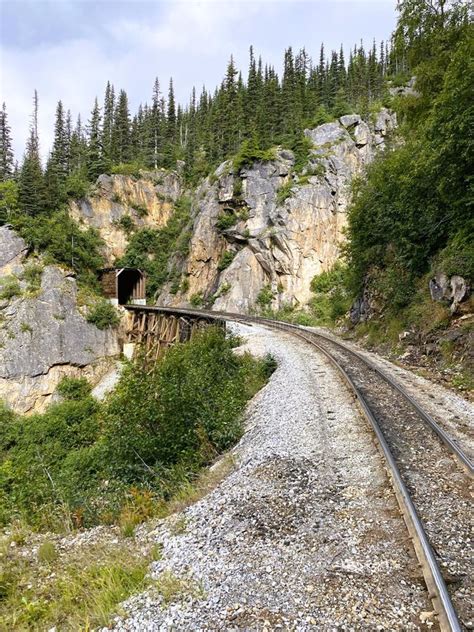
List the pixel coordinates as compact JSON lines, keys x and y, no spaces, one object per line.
{"x":305,"y":533}
{"x":452,"y":412}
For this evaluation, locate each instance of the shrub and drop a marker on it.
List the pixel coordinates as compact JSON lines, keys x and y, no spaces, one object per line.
{"x":140,"y":209}
{"x":197,"y":300}
{"x":225,"y":260}
{"x":226,"y":220}
{"x":103,"y":315}
{"x":250,"y":152}
{"x":284,"y":192}
{"x":32,"y":275}
{"x":10,"y":288}
{"x":127,"y":169}
{"x":83,"y":462}
{"x":74,"y":388}
{"x":61,"y":239}
{"x":126,"y":224}
{"x":265,"y":297}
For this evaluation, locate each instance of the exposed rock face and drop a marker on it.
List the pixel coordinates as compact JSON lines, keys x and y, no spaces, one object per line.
{"x":147,"y":201}
{"x":277,"y":242}
{"x":43,"y":335}
{"x":12,"y":250}
{"x":451,"y":290}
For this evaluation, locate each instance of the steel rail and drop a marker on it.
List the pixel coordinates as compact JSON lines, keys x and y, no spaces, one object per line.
{"x":450,"y":443}
{"x":437,"y":588}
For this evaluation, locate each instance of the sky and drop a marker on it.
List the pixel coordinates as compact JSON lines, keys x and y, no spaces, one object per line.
{"x":69,"y":49}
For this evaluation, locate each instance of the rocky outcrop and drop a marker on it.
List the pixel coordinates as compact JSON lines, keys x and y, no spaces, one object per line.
{"x":43,"y":334}
{"x":450,"y":290}
{"x":12,"y":250}
{"x":267,"y":228}
{"x":120,"y":202}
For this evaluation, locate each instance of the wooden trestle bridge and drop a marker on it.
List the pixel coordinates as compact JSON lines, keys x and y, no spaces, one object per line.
{"x":154,"y":329}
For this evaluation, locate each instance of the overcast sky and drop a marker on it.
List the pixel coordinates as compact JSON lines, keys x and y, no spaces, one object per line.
{"x":68,"y":49}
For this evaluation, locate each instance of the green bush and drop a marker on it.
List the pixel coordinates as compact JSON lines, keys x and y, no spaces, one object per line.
{"x":103,"y":315}
{"x":127,"y":169}
{"x":284,"y":192}
{"x":250,"y":152}
{"x":458,"y":256}
{"x":197,"y":300}
{"x":9,"y":288}
{"x":126,"y":224}
{"x":74,"y":388}
{"x":32,"y":275}
{"x":225,"y":260}
{"x":226,"y":220}
{"x":62,"y":241}
{"x":332,"y":299}
{"x":81,"y":461}
{"x":265,"y":297}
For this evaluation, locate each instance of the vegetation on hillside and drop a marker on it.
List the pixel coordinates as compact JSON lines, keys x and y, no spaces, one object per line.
{"x":151,"y":249}
{"x":411,"y":214}
{"x":83,"y":462}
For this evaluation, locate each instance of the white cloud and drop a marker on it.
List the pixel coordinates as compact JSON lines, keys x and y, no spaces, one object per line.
{"x":190,"y":40}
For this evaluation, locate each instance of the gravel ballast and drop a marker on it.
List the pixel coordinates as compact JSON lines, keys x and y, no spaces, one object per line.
{"x":304,"y":534}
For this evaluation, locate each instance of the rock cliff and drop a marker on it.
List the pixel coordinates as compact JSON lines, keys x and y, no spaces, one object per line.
{"x":263,"y":233}
{"x":119,"y":202}
{"x":43,"y":334}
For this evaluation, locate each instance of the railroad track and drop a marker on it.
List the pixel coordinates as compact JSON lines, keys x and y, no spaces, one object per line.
{"x":431,"y":474}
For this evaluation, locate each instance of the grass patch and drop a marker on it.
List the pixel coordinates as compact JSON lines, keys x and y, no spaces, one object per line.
{"x":79,"y":590}
{"x":173,"y":588}
{"x":10,"y":288}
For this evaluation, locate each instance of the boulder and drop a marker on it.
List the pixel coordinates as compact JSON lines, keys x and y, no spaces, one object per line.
{"x":350,"y":120}
{"x":451,"y":290}
{"x":439,"y":287}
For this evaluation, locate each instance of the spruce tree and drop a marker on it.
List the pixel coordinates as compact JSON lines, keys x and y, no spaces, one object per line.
{"x":6,"y":151}
{"x":121,"y":138}
{"x":108,"y":124}
{"x":31,"y":187}
{"x":95,"y":158}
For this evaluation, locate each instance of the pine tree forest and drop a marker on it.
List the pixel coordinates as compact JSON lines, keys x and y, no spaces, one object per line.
{"x":264,"y":110}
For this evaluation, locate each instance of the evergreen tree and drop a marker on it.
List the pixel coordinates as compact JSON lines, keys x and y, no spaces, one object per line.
{"x":95,"y":158}
{"x":108,"y":125}
{"x":31,"y":186}
{"x":6,"y":152}
{"x":122,"y":131}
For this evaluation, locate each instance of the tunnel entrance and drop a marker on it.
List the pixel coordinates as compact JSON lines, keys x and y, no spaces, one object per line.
{"x":124,"y":286}
{"x":128,"y":286}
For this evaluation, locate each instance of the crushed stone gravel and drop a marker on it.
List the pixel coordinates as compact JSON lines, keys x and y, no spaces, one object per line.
{"x":451,"y":411}
{"x":304,"y":534}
